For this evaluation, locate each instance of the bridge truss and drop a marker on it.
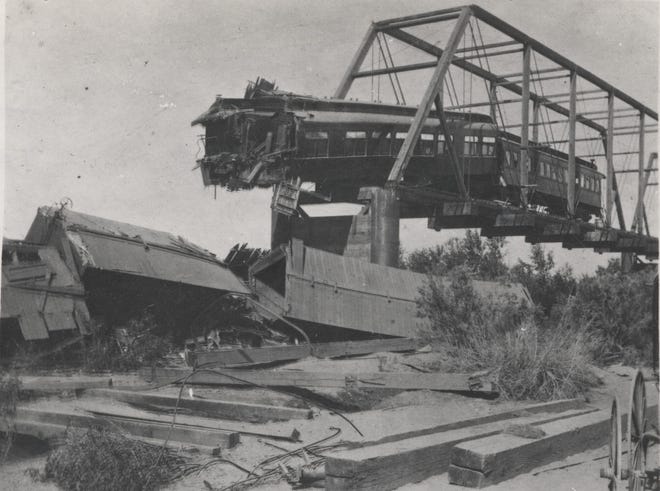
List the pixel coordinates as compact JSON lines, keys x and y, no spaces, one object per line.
{"x":483,"y":63}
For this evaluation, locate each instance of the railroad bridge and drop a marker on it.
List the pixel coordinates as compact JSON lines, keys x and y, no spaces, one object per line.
{"x":549,"y":159}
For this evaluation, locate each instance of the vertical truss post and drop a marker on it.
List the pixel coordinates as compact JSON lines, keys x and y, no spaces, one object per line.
{"x":609,"y":151}
{"x":641,"y":183}
{"x":615,"y":190}
{"x":356,"y":63}
{"x":524,"y":132}
{"x":437,"y":79}
{"x":570,"y":194}
{"x":536,"y":110}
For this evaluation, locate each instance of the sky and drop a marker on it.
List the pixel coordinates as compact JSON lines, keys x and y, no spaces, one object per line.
{"x":99,"y":97}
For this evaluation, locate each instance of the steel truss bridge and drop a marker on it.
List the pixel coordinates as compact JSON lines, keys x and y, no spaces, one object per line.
{"x":516,"y":77}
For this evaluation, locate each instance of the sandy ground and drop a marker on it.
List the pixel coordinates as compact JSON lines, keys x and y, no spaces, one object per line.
{"x":403,"y":412}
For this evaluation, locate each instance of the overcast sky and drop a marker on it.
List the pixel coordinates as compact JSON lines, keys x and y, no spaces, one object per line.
{"x":99,"y":96}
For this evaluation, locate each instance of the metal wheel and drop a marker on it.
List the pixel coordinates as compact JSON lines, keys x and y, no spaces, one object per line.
{"x":636,"y":427}
{"x":613,"y":472}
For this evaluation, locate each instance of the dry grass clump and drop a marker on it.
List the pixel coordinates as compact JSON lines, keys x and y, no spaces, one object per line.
{"x":101,"y":460}
{"x":530,"y":364}
{"x":9,"y":390}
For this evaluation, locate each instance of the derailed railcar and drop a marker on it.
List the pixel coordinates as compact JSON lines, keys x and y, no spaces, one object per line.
{"x":339,"y":145}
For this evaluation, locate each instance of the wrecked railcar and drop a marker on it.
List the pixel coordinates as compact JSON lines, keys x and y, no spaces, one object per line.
{"x":42,"y":297}
{"x":126,"y":269}
{"x":340,"y":145}
{"x":337,"y":297}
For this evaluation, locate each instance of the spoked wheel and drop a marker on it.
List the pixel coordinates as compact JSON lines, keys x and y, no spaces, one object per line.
{"x":636,"y":427}
{"x":613,"y":472}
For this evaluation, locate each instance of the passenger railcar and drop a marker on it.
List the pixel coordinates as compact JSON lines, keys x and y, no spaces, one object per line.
{"x":341,"y":145}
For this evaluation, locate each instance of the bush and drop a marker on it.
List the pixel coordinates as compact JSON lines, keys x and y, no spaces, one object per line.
{"x":504,"y":338}
{"x":548,"y":288}
{"x":460,"y":317}
{"x":126,"y":348}
{"x":616,"y":308}
{"x":482,"y":257}
{"x":9,"y":391}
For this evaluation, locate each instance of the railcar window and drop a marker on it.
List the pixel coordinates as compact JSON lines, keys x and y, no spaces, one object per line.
{"x":380,"y":143}
{"x":425,"y":144}
{"x":471,"y":146}
{"x":316,"y":144}
{"x":488,"y":146}
{"x":441,"y":144}
{"x":355,"y":143}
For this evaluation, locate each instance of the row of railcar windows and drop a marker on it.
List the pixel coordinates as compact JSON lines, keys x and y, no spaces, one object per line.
{"x":556,"y":172}
{"x":358,"y":143}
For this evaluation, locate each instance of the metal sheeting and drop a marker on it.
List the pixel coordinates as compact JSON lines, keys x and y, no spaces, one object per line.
{"x":335,"y":290}
{"x":41,"y":292}
{"x":360,"y":310}
{"x":60,"y":321}
{"x":362,"y":276}
{"x":132,"y":257}
{"x":33,"y":326}
{"x":354,"y":274}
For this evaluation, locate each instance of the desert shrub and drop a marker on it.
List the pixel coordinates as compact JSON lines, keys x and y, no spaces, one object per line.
{"x":460,"y":316}
{"x":616,"y":308}
{"x":9,"y":391}
{"x":104,"y":461}
{"x":482,"y":257}
{"x":525,"y":362}
{"x":131,"y":346}
{"x":548,"y":287}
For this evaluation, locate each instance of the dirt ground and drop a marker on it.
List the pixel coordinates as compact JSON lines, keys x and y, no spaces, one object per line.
{"x":403,"y":412}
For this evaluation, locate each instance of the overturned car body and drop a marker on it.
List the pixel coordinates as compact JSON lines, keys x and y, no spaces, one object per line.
{"x":335,"y":296}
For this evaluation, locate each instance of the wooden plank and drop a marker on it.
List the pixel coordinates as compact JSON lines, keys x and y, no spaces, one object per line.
{"x":50,"y":432}
{"x":494,"y":459}
{"x":544,"y":407}
{"x":349,"y":348}
{"x":149,"y":429}
{"x":49,"y":383}
{"x":391,"y":465}
{"x":270,"y":354}
{"x":212,"y":408}
{"x":449,"y":382}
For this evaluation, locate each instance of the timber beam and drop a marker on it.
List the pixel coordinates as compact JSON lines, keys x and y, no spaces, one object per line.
{"x":565,"y":232}
{"x":462,"y":214}
{"x":513,"y":224}
{"x":626,"y":242}
{"x":601,"y":239}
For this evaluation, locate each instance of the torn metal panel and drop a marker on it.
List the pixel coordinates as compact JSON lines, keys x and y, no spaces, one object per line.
{"x":33,"y":326}
{"x":316,"y":286}
{"x":40,"y":291}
